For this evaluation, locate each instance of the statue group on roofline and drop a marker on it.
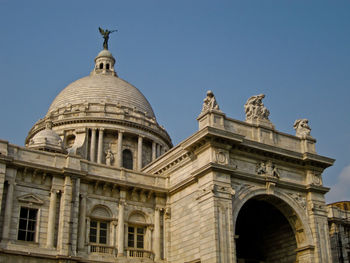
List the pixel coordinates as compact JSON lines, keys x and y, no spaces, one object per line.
{"x":255,"y":109}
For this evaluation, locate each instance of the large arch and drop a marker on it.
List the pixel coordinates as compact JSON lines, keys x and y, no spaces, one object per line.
{"x":287,"y":214}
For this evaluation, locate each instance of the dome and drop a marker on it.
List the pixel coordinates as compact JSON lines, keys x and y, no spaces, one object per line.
{"x":46,"y":139}
{"x":92,"y":115}
{"x":101,"y":88}
{"x":105,"y":53}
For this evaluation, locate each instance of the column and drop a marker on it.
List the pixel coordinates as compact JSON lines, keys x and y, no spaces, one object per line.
{"x":100,"y":145}
{"x":158,"y":150}
{"x":139,"y":153}
{"x":154,"y":145}
{"x":93,"y":145}
{"x":52,"y":219}
{"x":82,"y":223}
{"x":156,"y":244}
{"x":121,"y":229}
{"x":8,"y":210}
{"x":64,"y":229}
{"x":114,"y":225}
{"x":120,"y":148}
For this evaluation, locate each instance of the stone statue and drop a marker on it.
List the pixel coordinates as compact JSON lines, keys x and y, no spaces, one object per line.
{"x":209,"y":103}
{"x":109,"y":157}
{"x":261,"y":168}
{"x":268,"y":169}
{"x":48,"y":124}
{"x":105,"y":34}
{"x":301,"y":127}
{"x":255,"y":109}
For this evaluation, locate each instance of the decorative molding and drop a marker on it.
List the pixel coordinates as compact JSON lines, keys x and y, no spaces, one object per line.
{"x":30,"y":199}
{"x":267,"y":169}
{"x":301,"y":200}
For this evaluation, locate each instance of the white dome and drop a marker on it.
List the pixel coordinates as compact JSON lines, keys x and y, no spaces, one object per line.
{"x":46,"y":139}
{"x":102,"y":88}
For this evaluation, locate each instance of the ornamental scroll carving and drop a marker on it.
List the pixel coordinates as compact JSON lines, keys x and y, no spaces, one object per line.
{"x":301,"y":127}
{"x":209,"y":103}
{"x":255,"y":109}
{"x":301,"y":200}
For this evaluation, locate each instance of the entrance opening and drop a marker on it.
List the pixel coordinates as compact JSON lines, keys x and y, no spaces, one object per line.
{"x":263,"y":234}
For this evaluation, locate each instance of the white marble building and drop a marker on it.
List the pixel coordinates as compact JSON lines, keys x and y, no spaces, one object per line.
{"x":100,"y":181}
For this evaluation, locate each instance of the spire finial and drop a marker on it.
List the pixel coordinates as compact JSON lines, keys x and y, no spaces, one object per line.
{"x":105,"y":34}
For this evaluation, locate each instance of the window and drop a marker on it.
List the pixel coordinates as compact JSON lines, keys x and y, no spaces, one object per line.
{"x":136,"y":237}
{"x":101,"y":65}
{"x":107,"y":66}
{"x":98,"y":232}
{"x":127,"y":159}
{"x":27,"y":224}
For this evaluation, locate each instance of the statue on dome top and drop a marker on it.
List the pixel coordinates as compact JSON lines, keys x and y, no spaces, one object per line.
{"x":209,"y":103}
{"x":105,"y":35}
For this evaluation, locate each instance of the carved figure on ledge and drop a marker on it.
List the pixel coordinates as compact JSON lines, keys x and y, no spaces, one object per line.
{"x":209,"y":103}
{"x":268,"y":169}
{"x":301,"y":127}
{"x":255,"y":109}
{"x":109,"y":157}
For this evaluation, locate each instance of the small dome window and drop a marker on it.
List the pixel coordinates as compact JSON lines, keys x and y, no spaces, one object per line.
{"x":127,"y":159}
{"x":107,"y":66}
{"x":101,"y":65}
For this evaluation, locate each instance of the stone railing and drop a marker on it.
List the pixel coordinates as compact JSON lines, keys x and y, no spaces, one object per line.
{"x":101,"y":249}
{"x":337,"y":213}
{"x":139,"y":253}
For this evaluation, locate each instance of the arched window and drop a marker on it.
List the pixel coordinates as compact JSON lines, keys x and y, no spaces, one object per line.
{"x":136,"y":231}
{"x":99,"y":228}
{"x":107,"y":66}
{"x":127,"y":159}
{"x":101,"y":65}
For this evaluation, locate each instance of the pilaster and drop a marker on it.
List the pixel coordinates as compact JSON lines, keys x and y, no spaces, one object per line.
{"x":11,"y":178}
{"x":63,"y":239}
{"x":52,"y":219}
{"x":82,"y":222}
{"x":121,"y":224}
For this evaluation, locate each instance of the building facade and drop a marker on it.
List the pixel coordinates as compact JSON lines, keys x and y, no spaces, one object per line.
{"x":339,"y":230}
{"x":100,"y":181}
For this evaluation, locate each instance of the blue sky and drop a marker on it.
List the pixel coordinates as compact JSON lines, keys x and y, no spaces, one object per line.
{"x":295,"y":52}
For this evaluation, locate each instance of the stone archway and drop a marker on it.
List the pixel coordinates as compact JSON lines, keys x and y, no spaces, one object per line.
{"x":270,"y":228}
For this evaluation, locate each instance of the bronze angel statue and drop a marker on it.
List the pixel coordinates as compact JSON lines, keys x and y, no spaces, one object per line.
{"x":105,"y":34}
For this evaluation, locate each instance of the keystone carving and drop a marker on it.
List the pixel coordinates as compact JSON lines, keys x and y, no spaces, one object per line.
{"x":301,"y":127}
{"x":220,"y":157}
{"x":255,"y":109}
{"x":267,"y":169}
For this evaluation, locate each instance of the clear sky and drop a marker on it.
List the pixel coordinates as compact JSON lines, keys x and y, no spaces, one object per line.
{"x":295,"y":52}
